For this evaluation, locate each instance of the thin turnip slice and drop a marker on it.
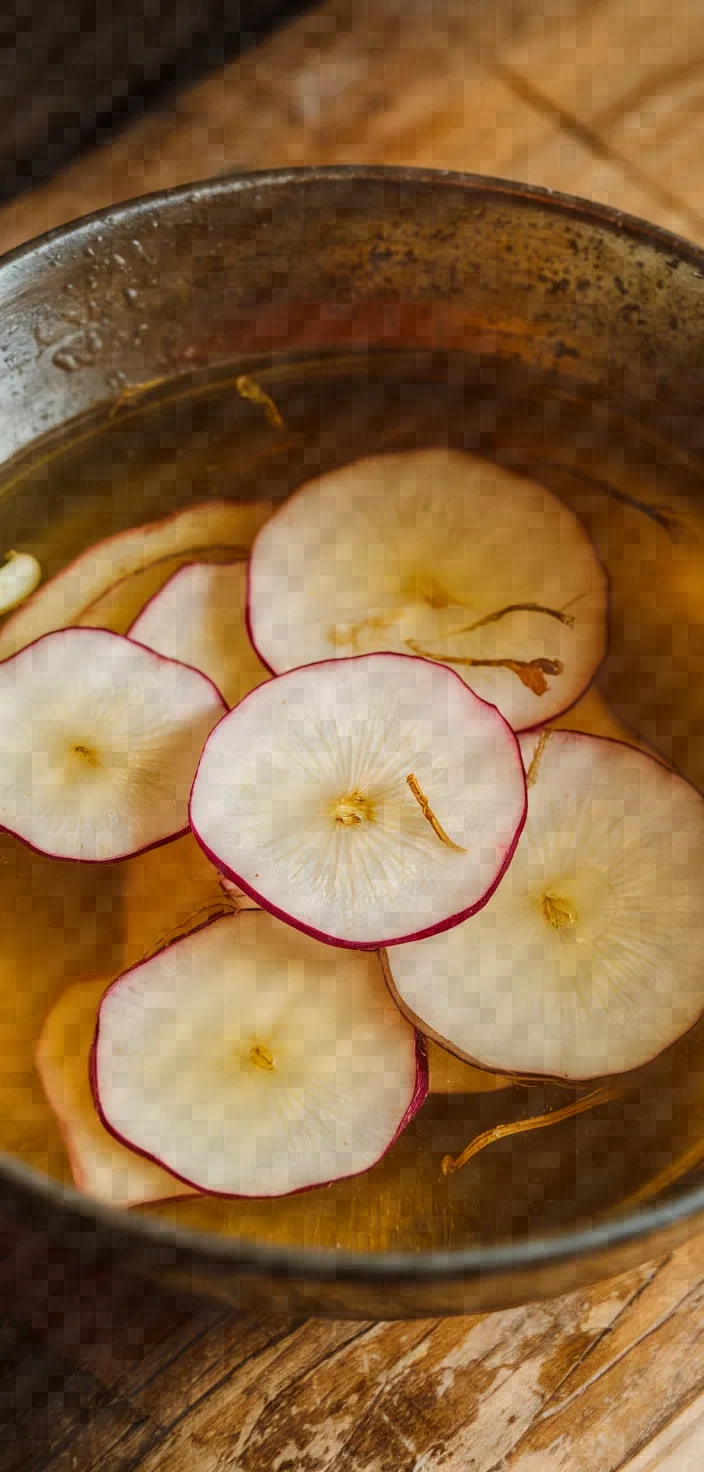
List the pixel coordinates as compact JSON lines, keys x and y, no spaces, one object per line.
{"x":250,"y":1060}
{"x":366,"y":801}
{"x":99,"y":741}
{"x":60,"y":601}
{"x":440,"y":554}
{"x":589,"y":959}
{"x":199,"y":618}
{"x":100,"y":1166}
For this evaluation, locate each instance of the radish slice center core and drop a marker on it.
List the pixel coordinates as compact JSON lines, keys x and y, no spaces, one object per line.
{"x":558,"y":913}
{"x":261,"y":1057}
{"x":352,"y":809}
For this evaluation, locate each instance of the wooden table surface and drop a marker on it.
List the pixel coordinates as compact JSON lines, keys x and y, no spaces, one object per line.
{"x":603,"y":98}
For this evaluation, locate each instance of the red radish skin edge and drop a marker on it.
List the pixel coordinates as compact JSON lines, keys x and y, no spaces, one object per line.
{"x":248,"y":617}
{"x":79,"y":1179}
{"x":98,"y":863}
{"x":371,"y":945}
{"x":231,"y":562}
{"x":519,"y":730}
{"x":241,"y":556}
{"x":78,"y":1174}
{"x":537,"y":726}
{"x":148,"y":526}
{"x":418,"y":1098}
{"x":132,"y":853}
{"x":539,"y":1078}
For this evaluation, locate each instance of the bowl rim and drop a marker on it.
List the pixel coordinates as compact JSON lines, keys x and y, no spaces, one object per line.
{"x":241,"y":181}
{"x":323,"y":1264}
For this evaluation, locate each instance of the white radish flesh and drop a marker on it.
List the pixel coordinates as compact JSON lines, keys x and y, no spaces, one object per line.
{"x":253,"y":1061}
{"x":302,"y":797}
{"x":199,"y":618}
{"x":437,"y":553}
{"x":101,"y":1167}
{"x":99,"y":741}
{"x":168,"y":887}
{"x":19,"y":576}
{"x":61,"y":600}
{"x":447,"y":1073}
{"x":589,"y":959}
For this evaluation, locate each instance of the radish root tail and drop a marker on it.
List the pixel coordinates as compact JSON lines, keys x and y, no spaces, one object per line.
{"x":248,"y":388}
{"x":521,"y":1126}
{"x":532,"y":773}
{"x":531,"y":672}
{"x":428,"y":813}
{"x":495,"y":618}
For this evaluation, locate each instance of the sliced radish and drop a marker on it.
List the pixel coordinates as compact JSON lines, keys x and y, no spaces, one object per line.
{"x":63,"y":599}
{"x":589,"y":959}
{"x":100,"y":1166}
{"x":99,"y":740}
{"x":118,"y":608}
{"x":448,"y":1074}
{"x":169,"y":888}
{"x":366,"y":801}
{"x":252,"y":1061}
{"x":199,"y":618}
{"x":441,"y":554}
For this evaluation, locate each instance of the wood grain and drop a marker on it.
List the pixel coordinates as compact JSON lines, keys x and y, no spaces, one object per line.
{"x":481,"y":87}
{"x":106,"y":1376}
{"x":603,"y":98}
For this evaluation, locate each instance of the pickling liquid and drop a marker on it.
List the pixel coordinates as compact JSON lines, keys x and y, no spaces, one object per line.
{"x":641,"y":501}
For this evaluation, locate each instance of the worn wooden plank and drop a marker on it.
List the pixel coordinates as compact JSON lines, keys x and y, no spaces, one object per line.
{"x":399,"y":1393}
{"x":254,"y":1358}
{"x":661,"y":1296}
{"x":627,"y":1405}
{"x":597,"y":61}
{"x":678,"y":1448}
{"x":448,"y":86}
{"x":76,"y":1344}
{"x":342,"y":83}
{"x":665,"y":127}
{"x":630,"y":76}
{"x":466,"y":1395}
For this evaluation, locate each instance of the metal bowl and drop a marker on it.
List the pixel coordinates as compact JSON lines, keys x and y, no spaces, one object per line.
{"x":606,"y":310}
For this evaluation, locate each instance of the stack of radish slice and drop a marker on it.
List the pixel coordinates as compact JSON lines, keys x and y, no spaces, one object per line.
{"x":136,"y":561}
{"x":213,"y":635}
{"x":416,"y":611}
{"x":100,"y":1165}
